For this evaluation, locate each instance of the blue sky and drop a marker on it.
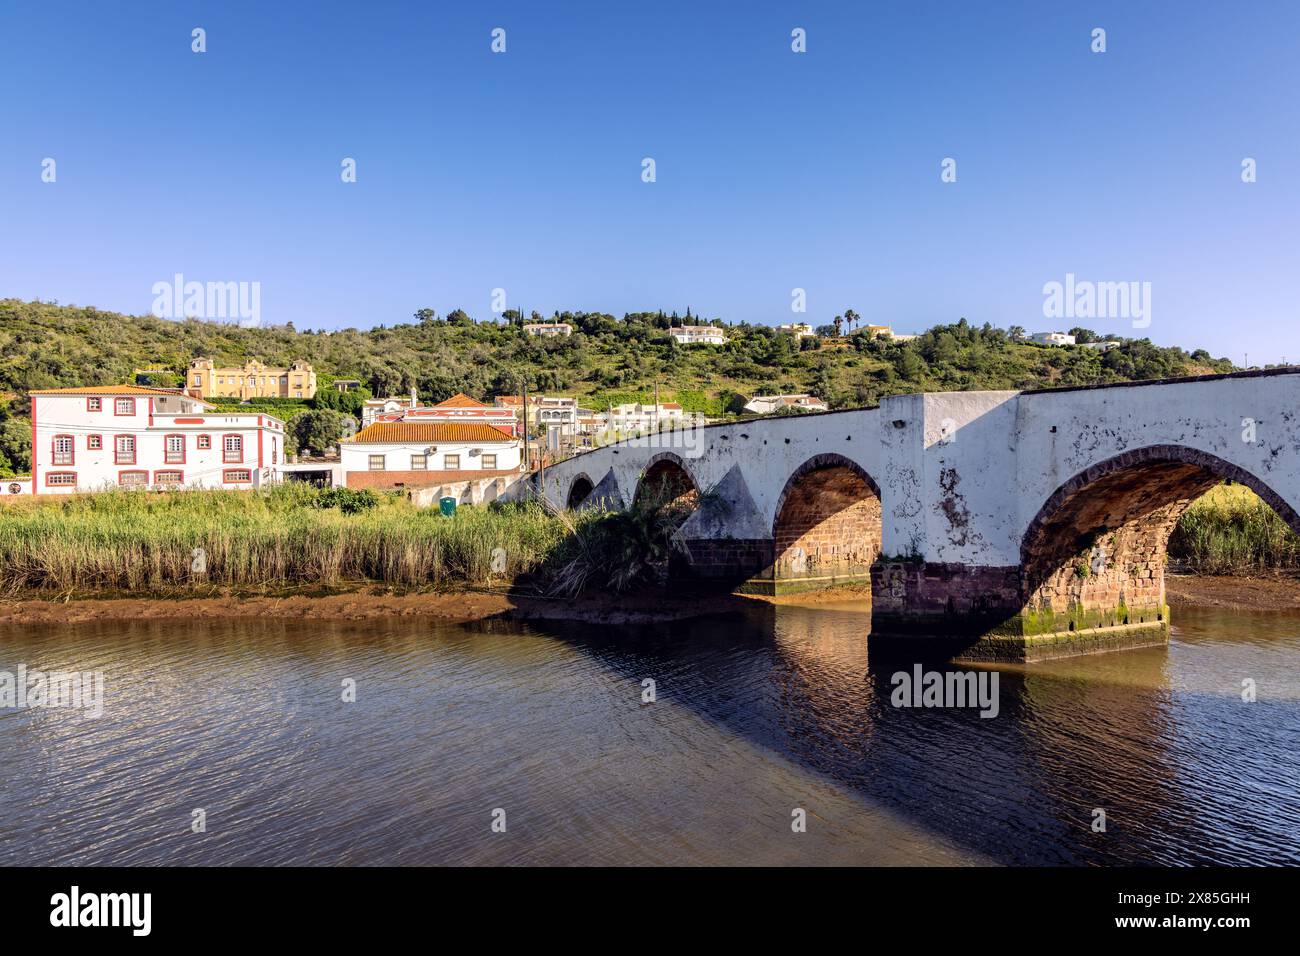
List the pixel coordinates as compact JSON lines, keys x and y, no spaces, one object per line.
{"x":775,"y":170}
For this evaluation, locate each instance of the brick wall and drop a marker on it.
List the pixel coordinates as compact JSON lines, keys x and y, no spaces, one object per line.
{"x":729,"y":559}
{"x":1102,"y":545}
{"x":829,"y":525}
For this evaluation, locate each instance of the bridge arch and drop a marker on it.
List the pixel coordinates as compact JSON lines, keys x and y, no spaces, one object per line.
{"x":1096,"y":548}
{"x":826,"y":528}
{"x":666,"y":482}
{"x":579,"y":490}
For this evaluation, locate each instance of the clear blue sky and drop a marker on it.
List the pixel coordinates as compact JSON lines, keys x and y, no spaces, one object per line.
{"x":775,"y":170}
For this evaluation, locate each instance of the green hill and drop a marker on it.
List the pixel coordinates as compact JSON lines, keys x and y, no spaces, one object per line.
{"x":606,"y":361}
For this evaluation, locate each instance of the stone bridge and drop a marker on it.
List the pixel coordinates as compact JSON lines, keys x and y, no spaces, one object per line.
{"x":991,"y":525}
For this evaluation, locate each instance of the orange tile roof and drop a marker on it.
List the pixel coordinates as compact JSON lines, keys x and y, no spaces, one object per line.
{"x":460,"y":400}
{"x":116,"y":390}
{"x":428,"y":432}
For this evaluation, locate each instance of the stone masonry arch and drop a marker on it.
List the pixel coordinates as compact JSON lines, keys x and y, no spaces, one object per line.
{"x":827,"y":525}
{"x":1094,"y":554}
{"x":667,"y":482}
{"x":579,"y":489}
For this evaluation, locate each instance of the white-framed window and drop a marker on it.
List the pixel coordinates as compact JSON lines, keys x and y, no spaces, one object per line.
{"x":490,"y":462}
{"x":124,"y":406}
{"x":95,"y":442}
{"x":124,"y":450}
{"x":168,"y":478}
{"x":237,"y":476}
{"x":64,"y":450}
{"x":419,"y":462}
{"x":61,"y":479}
{"x":94,"y":404}
{"x":204,"y":442}
{"x":133,"y":479}
{"x":232,"y":448}
{"x":174,"y":450}
{"x":376,"y":462}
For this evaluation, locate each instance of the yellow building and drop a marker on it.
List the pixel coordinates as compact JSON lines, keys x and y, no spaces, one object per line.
{"x":254,"y":380}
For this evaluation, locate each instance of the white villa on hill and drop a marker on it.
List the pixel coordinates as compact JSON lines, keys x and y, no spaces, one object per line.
{"x":699,"y":335}
{"x":770,"y":404}
{"x":548,"y":329}
{"x":130,"y":436}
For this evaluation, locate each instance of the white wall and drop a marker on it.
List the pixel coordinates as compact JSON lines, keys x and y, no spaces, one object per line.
{"x":397,"y":456}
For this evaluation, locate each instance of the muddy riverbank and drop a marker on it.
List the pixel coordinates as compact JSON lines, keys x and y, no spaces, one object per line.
{"x":1273,"y":593}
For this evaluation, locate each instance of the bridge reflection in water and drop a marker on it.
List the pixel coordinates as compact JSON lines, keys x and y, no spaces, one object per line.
{"x":1158,"y":737}
{"x":757,"y":713}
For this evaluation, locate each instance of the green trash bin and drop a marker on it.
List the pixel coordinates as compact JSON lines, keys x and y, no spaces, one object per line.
{"x":447,"y":505}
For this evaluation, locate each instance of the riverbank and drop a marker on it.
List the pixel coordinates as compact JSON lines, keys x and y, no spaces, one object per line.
{"x":644,"y":607}
{"x":1238,"y":592}
{"x":365,"y":604}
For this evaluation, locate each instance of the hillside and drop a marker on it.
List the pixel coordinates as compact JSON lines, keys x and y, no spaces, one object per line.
{"x":607,"y":360}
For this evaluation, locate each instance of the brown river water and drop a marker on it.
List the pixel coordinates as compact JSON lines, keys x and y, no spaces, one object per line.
{"x":757,"y":713}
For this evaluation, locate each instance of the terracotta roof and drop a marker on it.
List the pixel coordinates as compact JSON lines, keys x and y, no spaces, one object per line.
{"x":459,"y":400}
{"x":428,"y":433}
{"x":116,"y":390}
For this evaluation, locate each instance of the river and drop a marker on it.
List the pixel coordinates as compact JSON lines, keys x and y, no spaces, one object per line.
{"x":757,"y":715}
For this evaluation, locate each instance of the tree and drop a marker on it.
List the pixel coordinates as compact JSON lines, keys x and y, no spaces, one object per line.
{"x":15,"y":447}
{"x":318,"y":429}
{"x":839,"y":324}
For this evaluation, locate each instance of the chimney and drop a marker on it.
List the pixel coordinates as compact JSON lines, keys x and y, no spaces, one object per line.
{"x":415,"y":401}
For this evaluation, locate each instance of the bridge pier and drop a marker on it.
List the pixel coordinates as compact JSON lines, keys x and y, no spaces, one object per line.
{"x":954,"y":611}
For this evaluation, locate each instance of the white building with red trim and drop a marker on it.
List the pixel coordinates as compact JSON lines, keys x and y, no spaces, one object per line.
{"x":425,"y":454}
{"x":459,"y":408}
{"x":129,"y":436}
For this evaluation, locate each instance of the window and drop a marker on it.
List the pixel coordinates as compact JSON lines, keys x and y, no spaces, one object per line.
{"x":60,"y":479}
{"x":451,"y":462}
{"x":232,"y":448}
{"x":419,"y":462}
{"x":237,"y":476}
{"x":275,"y":451}
{"x":490,"y":461}
{"x":168,"y":478}
{"x":124,"y":450}
{"x":198,"y":381}
{"x":63,"y":450}
{"x":174,"y":450}
{"x":133,"y":479}
{"x":376,"y":462}
{"x":95,"y":442}
{"x":94,"y":404}
{"x":124,"y":406}
{"x":204,"y":442}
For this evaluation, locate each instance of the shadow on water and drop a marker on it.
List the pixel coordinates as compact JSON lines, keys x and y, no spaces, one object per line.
{"x":1158,"y":739}
{"x":756,"y":713}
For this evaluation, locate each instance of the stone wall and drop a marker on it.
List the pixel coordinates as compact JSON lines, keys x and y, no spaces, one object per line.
{"x":828,"y":527}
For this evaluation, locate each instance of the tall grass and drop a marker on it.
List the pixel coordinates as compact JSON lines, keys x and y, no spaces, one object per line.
{"x":1231,"y":531}
{"x":261,"y":541}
